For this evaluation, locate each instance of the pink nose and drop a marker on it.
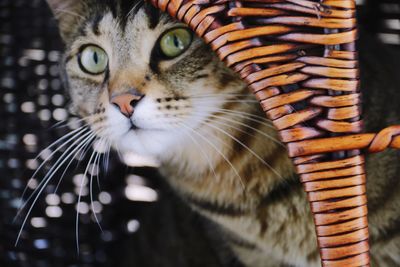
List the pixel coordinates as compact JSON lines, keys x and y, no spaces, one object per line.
{"x":126,"y":103}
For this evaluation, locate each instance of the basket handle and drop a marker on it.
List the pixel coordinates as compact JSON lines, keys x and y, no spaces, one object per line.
{"x":371,"y":142}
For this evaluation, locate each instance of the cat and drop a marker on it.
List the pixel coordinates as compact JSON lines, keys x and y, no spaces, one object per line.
{"x":144,"y":83}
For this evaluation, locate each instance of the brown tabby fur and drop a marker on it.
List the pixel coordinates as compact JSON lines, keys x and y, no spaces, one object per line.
{"x":227,"y":165}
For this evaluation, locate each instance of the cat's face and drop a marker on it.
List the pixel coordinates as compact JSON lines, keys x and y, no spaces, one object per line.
{"x":142,"y":80}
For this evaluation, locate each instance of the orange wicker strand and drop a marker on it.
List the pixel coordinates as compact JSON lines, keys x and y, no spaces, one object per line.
{"x":299,"y":59}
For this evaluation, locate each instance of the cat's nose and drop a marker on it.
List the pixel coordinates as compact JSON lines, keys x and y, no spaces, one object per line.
{"x":126,"y":103}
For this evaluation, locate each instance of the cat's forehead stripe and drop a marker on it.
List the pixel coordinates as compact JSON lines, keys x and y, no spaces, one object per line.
{"x":95,"y":25}
{"x":121,"y":12}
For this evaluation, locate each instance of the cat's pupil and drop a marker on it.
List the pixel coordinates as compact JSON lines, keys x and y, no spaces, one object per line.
{"x":95,"y":58}
{"x":176,"y":41}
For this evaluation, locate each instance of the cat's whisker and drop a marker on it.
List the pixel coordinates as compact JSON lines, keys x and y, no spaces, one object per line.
{"x":227,"y":95}
{"x":220,"y":94}
{"x":74,"y":134}
{"x":243,"y":113}
{"x":118,"y":150}
{"x":65,"y":123}
{"x":65,"y":171}
{"x":83,"y":150}
{"x":91,"y":188}
{"x":79,"y":200}
{"x":246,"y":147}
{"x":64,"y":156}
{"x":106,"y":157}
{"x":57,"y":124}
{"x":80,"y":138}
{"x":67,"y":11}
{"x":276,"y":141}
{"x":203,"y":153}
{"x":246,"y":101}
{"x":68,"y":135}
{"x":208,"y":120}
{"x":75,"y":120}
{"x":219,"y":152}
{"x":254,"y":118}
{"x":133,"y":9}
{"x":47,"y":178}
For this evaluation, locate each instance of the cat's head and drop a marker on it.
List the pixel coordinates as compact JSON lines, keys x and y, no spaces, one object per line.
{"x":142,"y":80}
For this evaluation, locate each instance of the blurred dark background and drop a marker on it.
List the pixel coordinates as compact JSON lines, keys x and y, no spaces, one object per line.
{"x":143,"y":223}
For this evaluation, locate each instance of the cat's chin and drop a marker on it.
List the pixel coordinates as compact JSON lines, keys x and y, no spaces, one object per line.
{"x":155,"y":144}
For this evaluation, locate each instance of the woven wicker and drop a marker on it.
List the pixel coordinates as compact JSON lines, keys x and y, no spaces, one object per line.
{"x":299,"y":59}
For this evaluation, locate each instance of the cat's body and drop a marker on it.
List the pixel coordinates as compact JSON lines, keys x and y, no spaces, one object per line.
{"x":195,"y":116}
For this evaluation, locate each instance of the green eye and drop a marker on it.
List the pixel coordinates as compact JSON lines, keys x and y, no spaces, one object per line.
{"x":174,"y":42}
{"x":93,"y":60}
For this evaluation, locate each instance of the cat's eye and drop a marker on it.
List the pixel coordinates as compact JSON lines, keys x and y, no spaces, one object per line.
{"x":174,"y":42}
{"x":93,"y":60}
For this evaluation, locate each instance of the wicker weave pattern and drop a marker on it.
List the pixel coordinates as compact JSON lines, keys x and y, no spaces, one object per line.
{"x":298,"y":57}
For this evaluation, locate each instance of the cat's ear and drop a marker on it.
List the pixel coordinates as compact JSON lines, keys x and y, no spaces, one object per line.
{"x":68,"y":14}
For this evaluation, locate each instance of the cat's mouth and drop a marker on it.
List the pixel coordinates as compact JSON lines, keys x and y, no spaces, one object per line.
{"x":133,"y":126}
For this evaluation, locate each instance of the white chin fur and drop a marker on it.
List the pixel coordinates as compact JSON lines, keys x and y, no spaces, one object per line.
{"x":149,"y":143}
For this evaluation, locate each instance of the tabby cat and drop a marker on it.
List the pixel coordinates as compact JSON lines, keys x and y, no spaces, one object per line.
{"x":146,"y":84}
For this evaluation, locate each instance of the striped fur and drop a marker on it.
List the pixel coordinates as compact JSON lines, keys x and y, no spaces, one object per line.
{"x":216,"y":150}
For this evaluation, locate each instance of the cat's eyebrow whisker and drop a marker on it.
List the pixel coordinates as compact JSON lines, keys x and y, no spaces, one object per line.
{"x":133,"y":9}
{"x":47,"y":178}
{"x":67,"y":11}
{"x":202,"y":152}
{"x":219,"y":152}
{"x":246,"y":147}
{"x":71,"y":136}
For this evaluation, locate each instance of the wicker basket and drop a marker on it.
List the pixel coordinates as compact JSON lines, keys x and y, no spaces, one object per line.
{"x":29,"y":83}
{"x":299,"y":59}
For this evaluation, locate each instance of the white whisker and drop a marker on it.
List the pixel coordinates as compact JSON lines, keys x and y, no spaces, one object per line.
{"x":218,"y":151}
{"x":76,"y":135}
{"x":79,"y":201}
{"x":47,"y":178}
{"x":59,"y":11}
{"x":276,"y":141}
{"x":85,"y":144}
{"x":242,"y":114}
{"x":246,"y":147}
{"x":203,"y":153}
{"x":91,"y":188}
